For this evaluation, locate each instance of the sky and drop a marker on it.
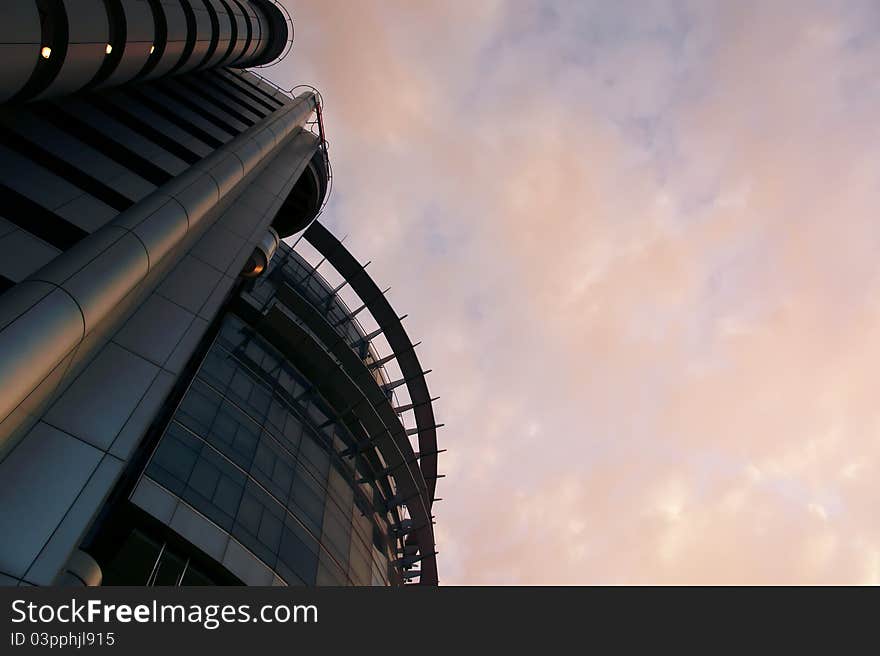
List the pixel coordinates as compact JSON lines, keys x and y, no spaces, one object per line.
{"x":640,"y":243}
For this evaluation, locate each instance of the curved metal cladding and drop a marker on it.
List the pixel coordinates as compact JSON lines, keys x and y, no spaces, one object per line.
{"x":317,"y":331}
{"x":47,"y":315}
{"x":51,"y":48}
{"x":304,"y":201}
{"x":20,"y":43}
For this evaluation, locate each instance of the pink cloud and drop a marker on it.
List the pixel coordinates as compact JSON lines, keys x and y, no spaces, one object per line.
{"x":639,"y":244}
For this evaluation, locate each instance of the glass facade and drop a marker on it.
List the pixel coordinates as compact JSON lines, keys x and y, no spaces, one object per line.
{"x":256,"y":451}
{"x":290,"y":267}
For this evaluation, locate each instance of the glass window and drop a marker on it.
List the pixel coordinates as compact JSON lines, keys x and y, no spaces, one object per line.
{"x":259,"y":523}
{"x":253,"y":352}
{"x":290,"y":382}
{"x":292,"y":431}
{"x":174,"y":459}
{"x":221,"y":504}
{"x":198,"y":408}
{"x":329,"y":573}
{"x":248,"y":457}
{"x":317,"y":415}
{"x":380,"y":575}
{"x":308,"y":499}
{"x":277,"y":415}
{"x":337,"y":531}
{"x":249,"y":513}
{"x":251,"y":396}
{"x":340,"y":489}
{"x":362,"y":525}
{"x":315,"y":456}
{"x":360,"y":565}
{"x":235,"y":435}
{"x":271,"y":362}
{"x":271,"y":528}
{"x":228,"y":493}
{"x":273,"y":468}
{"x":218,"y":368}
{"x":204,"y":478}
{"x":233,"y":332}
{"x":298,"y":553}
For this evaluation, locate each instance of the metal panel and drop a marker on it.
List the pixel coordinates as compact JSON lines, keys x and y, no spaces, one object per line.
{"x":257,"y":37}
{"x":154,"y":330}
{"x":187,"y":345}
{"x":224,"y":34}
{"x":72,"y":528}
{"x":143,"y":416}
{"x":21,"y":254}
{"x":220,"y":249}
{"x":30,"y":344}
{"x":242,"y":28}
{"x":98,"y":403}
{"x":140,"y":35}
{"x":88,"y":36}
{"x":19,"y":46}
{"x":204,"y":34}
{"x":190,"y":284}
{"x":58,"y":466}
{"x":32,"y":180}
{"x":175,"y":40}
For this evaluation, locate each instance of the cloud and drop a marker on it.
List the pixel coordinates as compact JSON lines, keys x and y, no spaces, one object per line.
{"x":638,"y":241}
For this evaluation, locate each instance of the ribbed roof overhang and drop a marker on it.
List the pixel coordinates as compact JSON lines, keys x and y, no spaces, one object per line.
{"x":363,"y":285}
{"x":346,"y":382}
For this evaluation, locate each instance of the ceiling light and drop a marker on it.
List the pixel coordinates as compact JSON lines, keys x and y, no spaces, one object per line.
{"x":109,"y":49}
{"x":46,"y":52}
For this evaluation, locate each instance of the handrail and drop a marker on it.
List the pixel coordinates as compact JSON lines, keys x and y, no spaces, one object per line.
{"x":325,"y":144}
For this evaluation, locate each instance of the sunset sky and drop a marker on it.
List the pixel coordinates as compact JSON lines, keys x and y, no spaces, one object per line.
{"x":640,"y":241}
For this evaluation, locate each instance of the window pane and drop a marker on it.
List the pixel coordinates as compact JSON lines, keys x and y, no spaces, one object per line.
{"x":298,"y":553}
{"x":174,"y":459}
{"x":198,"y":408}
{"x":235,"y":435}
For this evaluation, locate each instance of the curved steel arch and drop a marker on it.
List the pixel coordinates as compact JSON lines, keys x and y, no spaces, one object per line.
{"x":351,"y":270}
{"x":355,"y":388}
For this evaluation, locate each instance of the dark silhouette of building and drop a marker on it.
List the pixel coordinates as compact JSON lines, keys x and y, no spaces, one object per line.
{"x":184,"y":399}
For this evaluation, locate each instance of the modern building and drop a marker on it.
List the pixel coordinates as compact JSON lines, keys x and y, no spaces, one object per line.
{"x":184,"y":398}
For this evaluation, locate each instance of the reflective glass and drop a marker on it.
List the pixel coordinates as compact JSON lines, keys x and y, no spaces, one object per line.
{"x":250,"y":450}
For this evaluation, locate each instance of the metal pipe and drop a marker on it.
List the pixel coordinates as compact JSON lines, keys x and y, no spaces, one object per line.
{"x":47,"y":315}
